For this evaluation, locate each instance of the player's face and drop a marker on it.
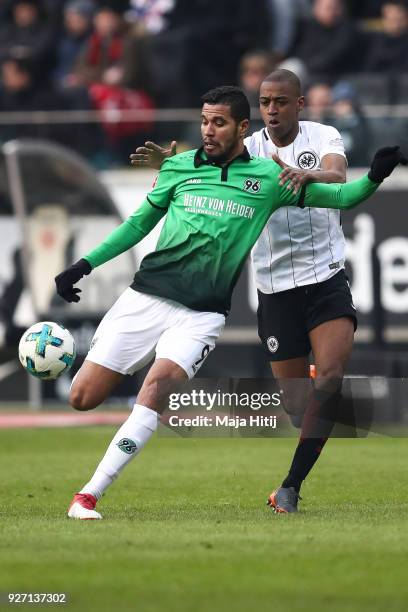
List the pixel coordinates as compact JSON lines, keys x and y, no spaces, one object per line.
{"x":222,"y":135}
{"x":280,"y":106}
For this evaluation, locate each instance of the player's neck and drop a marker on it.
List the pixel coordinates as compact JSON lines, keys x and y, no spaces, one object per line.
{"x":237,"y":150}
{"x":287,"y":139}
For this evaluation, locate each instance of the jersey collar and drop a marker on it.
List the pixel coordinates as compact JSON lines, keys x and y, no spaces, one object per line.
{"x":200,"y":158}
{"x":267,"y":137}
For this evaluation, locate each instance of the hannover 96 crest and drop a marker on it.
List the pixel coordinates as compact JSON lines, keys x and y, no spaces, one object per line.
{"x":307,"y":160}
{"x":127,"y":445}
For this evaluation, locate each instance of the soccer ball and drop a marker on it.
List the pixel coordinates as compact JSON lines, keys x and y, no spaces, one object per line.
{"x":47,"y":350}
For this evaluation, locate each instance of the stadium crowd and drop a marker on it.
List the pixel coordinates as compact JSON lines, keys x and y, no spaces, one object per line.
{"x":145,"y":54}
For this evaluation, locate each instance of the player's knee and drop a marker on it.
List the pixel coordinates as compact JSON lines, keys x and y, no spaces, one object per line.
{"x":331,"y":371}
{"x":81,"y":399}
{"x":329,"y":377}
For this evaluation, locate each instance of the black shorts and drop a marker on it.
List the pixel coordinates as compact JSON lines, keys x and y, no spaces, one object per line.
{"x":286,"y":318}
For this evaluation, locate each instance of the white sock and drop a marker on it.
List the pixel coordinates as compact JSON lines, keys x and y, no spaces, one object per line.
{"x":126,"y":444}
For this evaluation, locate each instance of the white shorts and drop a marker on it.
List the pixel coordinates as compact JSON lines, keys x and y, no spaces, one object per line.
{"x":139,"y":325}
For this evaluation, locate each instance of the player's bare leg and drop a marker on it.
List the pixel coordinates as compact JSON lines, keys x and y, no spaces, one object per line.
{"x":164,"y":377}
{"x":92,"y":384}
{"x":332,"y":343}
{"x":294,"y":384}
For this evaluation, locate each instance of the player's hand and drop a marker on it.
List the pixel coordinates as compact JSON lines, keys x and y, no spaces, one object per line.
{"x":66,"y":280}
{"x":152,"y":155}
{"x":384,"y":162}
{"x":296,"y":177}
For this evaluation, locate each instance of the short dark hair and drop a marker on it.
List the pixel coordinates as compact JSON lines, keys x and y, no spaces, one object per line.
{"x":231,"y":96}
{"x":285,"y":76}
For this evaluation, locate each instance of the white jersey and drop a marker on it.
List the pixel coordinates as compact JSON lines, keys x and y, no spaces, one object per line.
{"x":298,"y":246}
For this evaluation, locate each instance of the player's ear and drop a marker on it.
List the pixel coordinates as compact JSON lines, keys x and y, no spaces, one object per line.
{"x":243,"y":127}
{"x":301,"y":103}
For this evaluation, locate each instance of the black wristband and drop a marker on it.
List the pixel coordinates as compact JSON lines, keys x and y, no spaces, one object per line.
{"x":374,"y":178}
{"x":84,"y":266}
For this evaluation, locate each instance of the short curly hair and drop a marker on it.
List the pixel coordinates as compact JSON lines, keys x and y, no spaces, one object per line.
{"x":231,"y":96}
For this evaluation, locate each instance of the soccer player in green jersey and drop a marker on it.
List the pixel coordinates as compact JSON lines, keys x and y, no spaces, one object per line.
{"x":216,"y":201}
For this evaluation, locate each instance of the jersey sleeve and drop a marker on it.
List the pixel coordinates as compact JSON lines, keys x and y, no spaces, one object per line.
{"x":341,"y":196}
{"x":331,"y":141}
{"x":163,"y":188}
{"x":127,"y":235}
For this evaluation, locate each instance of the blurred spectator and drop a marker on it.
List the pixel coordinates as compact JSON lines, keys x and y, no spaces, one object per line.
{"x":151,"y":14}
{"x":298,"y":67}
{"x":202,"y":46}
{"x":29,"y":35}
{"x":338,"y":106}
{"x":101,"y":59}
{"x":254,"y":67}
{"x":77,"y":29}
{"x":318,"y":102}
{"x":327,"y":43}
{"x":284,"y":18}
{"x":389,"y":49}
{"x":21,"y":91}
{"x":114,"y":54}
{"x":349,"y":120}
{"x":176,"y":49}
{"x":137,"y":64}
{"x":113,"y":66}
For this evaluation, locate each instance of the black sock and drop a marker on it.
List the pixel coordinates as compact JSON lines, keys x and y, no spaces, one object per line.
{"x":317,"y":426}
{"x":291,"y":481}
{"x":306,"y":455}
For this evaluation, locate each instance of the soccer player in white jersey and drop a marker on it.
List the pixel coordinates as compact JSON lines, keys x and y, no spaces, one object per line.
{"x":305,"y":302}
{"x":304,"y":298}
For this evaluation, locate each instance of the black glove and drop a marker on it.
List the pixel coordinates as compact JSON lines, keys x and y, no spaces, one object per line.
{"x":384,"y":162}
{"x":66,"y":280}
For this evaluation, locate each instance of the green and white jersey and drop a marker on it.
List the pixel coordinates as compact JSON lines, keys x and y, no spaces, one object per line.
{"x":214,"y":215}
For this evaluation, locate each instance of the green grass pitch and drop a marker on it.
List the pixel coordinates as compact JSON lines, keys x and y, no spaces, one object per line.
{"x":186,"y":526}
